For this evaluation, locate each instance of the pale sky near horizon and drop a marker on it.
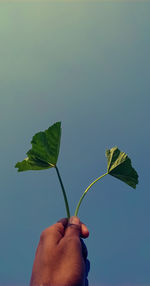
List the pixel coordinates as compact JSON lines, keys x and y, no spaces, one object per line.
{"x":87,"y":65}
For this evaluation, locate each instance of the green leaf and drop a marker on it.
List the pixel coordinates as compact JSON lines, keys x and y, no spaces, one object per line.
{"x":45,"y":150}
{"x":119,"y":166}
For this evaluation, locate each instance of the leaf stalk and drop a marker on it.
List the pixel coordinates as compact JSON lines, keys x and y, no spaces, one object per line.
{"x":85,"y":192}
{"x":64,"y":193}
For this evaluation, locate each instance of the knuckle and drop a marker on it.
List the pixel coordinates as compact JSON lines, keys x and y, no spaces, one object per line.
{"x":45,"y":233}
{"x":42,"y":236}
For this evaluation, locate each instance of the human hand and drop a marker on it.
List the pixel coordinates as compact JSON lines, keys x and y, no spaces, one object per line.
{"x":60,"y":258}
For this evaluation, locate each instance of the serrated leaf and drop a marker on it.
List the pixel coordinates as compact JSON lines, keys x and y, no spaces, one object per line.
{"x":45,"y":150}
{"x":119,"y":166}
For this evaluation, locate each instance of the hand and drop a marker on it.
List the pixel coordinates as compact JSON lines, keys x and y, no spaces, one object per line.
{"x":60,"y":258}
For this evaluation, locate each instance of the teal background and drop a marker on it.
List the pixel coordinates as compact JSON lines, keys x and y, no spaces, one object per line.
{"x":86,"y":64}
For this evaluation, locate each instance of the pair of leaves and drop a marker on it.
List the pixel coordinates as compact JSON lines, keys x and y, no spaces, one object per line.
{"x":45,"y":151}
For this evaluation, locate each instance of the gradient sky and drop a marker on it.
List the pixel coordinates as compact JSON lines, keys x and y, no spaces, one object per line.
{"x":86,"y":64}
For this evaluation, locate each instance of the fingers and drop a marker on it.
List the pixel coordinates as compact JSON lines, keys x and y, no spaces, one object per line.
{"x":73,"y":228}
{"x":58,"y":229}
{"x":55,"y":232}
{"x":64,"y":222}
{"x":84,"y":230}
{"x":63,"y":227}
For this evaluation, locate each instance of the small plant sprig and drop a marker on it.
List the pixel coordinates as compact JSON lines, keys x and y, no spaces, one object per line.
{"x":44,"y":155}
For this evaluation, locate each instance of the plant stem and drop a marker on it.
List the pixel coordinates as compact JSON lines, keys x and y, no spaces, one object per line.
{"x":64,"y":193}
{"x":85,"y":192}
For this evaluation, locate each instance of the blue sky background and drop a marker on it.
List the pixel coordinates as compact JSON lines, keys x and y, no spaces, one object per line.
{"x":86,"y":64}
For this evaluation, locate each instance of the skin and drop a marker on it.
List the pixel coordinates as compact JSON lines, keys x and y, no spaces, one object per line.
{"x":60,"y":258}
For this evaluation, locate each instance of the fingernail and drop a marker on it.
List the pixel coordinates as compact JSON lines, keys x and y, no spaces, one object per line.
{"x":74,"y":220}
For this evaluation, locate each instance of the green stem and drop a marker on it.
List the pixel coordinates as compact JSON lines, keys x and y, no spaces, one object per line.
{"x":85,"y":192}
{"x":64,"y":193}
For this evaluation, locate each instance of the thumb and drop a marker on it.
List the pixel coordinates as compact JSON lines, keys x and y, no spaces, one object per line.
{"x":74,"y":227}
